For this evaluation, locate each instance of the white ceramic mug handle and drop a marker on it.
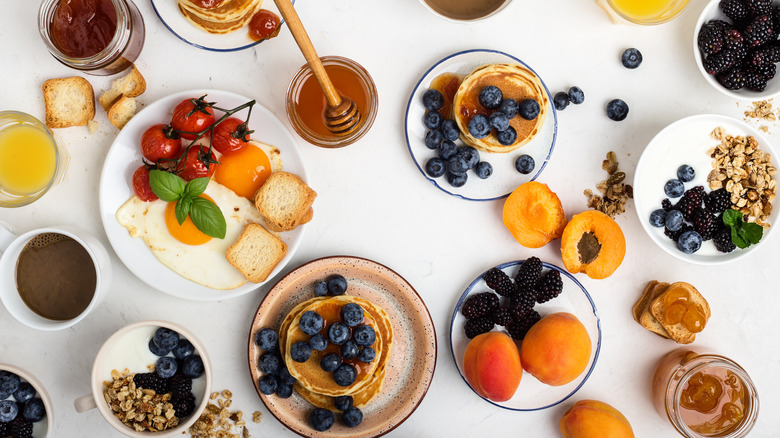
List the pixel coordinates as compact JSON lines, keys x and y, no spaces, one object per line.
{"x":84,"y":403}
{"x":7,"y":236}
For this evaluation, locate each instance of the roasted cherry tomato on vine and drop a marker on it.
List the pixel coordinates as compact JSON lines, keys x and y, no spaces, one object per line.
{"x":141,"y":185}
{"x":192,"y":165}
{"x":192,"y":115}
{"x":159,"y":141}
{"x":264,"y":25}
{"x":231,"y":135}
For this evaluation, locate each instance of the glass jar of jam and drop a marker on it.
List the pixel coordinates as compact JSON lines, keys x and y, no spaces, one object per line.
{"x":705,"y":395}
{"x":99,"y":37}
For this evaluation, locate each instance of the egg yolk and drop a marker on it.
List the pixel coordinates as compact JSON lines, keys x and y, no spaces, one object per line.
{"x":187,"y":232}
{"x":245,"y":171}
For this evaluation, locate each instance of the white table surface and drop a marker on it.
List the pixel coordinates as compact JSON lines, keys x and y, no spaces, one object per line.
{"x":374,"y":203}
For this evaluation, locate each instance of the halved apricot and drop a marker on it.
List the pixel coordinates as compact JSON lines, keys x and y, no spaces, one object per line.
{"x":592,"y":243}
{"x":534,"y":215}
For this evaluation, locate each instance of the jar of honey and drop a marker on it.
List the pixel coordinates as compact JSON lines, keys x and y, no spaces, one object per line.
{"x":306,"y":102}
{"x":705,"y":395}
{"x":99,"y":37}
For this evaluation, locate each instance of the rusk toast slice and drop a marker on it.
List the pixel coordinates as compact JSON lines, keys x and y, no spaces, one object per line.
{"x":68,"y":101}
{"x":679,"y":332}
{"x":284,"y":201}
{"x":256,"y":252}
{"x":642,"y":313}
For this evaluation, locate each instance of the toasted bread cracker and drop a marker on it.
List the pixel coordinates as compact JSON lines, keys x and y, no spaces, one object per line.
{"x":68,"y":101}
{"x":641,"y":310}
{"x":678,"y":332}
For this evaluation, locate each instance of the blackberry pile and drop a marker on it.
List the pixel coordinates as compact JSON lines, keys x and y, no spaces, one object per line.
{"x":742,"y":53}
{"x":515,"y":311}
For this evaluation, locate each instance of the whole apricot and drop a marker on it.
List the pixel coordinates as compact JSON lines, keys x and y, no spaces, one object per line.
{"x":492,"y":366}
{"x":594,"y":419}
{"x":592,"y":243}
{"x":534,"y":215}
{"x":556,"y":350}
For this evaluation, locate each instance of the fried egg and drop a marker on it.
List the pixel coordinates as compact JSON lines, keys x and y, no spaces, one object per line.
{"x":245,"y":171}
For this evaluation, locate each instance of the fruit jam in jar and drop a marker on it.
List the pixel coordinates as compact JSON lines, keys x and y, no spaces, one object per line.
{"x":704,"y":395}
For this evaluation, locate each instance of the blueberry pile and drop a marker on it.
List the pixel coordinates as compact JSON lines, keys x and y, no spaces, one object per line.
{"x":19,"y":407}
{"x":323,"y":419}
{"x":276,"y":378}
{"x":696,"y":217}
{"x":484,"y":310}
{"x":742,"y":53}
{"x":562,"y":99}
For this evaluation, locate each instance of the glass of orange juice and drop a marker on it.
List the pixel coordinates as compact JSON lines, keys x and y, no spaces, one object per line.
{"x":31,"y":162}
{"x":643,"y":11}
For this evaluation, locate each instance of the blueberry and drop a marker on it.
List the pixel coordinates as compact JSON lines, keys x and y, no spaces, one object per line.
{"x":311,"y":322}
{"x":352,"y":417}
{"x":576,"y":96}
{"x":631,"y":58}
{"x":157,"y":351}
{"x":525,"y":164}
{"x":338,"y":333}
{"x":658,"y":217}
{"x":470,"y":154}
{"x":433,"y":139}
{"x":673,"y":220}
{"x":330,"y":362}
{"x":432,"y":100}
{"x":499,"y":121}
{"x":490,"y":97}
{"x":268,"y":384}
{"x":352,"y":314}
{"x":435,"y":167}
{"x":318,"y":342}
{"x":689,"y":242}
{"x":349,"y":350}
{"x":685,"y":173}
{"x":561,"y":100}
{"x":617,"y":110}
{"x":269,"y":363}
{"x":285,"y":378}
{"x":166,"y":367}
{"x":321,"y":419}
{"x":9,"y":383}
{"x":300,"y":351}
{"x":507,"y":137}
{"x":166,"y":339}
{"x":337,"y":284}
{"x":479,"y":126}
{"x":343,"y":402}
{"x":447,"y":149}
{"x":345,"y":375}
{"x":267,"y":339}
{"x":192,"y":366}
{"x":320,"y":287}
{"x":674,"y":188}
{"x":509,"y":107}
{"x":457,"y":180}
{"x":432,"y":120}
{"x":284,"y":391}
{"x":184,"y":349}
{"x":450,"y":130}
{"x":365,"y":335}
{"x":483,"y":169}
{"x":529,"y":109}
{"x":457,"y":165}
{"x":34,"y":410}
{"x":366,"y":354}
{"x":24,"y":392}
{"x":8,"y":410}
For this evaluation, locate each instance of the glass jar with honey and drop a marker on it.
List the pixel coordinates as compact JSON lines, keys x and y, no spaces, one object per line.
{"x":705,"y":395}
{"x":99,"y":37}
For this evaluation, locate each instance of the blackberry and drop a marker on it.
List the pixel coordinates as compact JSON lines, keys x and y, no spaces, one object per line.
{"x":703,"y":223}
{"x":525,"y":299}
{"x":732,"y":79}
{"x":755,"y":82}
{"x":720,"y":62}
{"x":20,"y":428}
{"x":479,"y":305}
{"x":736,"y":10}
{"x":179,"y":385}
{"x":477,"y":326}
{"x":767,"y":71}
{"x":759,"y":7}
{"x":776,"y":18}
{"x":520,"y":310}
{"x":759,"y":31}
{"x":528,"y":273}
{"x":549,"y":286}
{"x":692,"y":199}
{"x":497,"y":280}
{"x":3,"y":429}
{"x":501,"y":316}
{"x":722,"y":240}
{"x":718,"y":200}
{"x":710,"y":39}
{"x":674,"y":235}
{"x":519,"y":327}
{"x":666,"y":204}
{"x":151,"y":381}
{"x":183,"y":405}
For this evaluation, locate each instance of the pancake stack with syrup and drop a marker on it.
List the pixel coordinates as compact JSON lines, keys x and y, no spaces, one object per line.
{"x":219,"y":17}
{"x":515,"y":82}
{"x":318,"y":386}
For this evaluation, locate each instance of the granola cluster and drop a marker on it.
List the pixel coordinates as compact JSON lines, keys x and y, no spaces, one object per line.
{"x":762,"y":111}
{"x":141,"y":409}
{"x":217,"y":421}
{"x":614,"y":192}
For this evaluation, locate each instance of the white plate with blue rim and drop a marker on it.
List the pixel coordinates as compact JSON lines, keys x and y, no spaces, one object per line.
{"x":533,"y":395}
{"x":505,"y":177}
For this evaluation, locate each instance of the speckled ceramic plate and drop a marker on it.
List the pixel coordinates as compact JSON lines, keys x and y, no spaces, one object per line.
{"x":413,"y":358}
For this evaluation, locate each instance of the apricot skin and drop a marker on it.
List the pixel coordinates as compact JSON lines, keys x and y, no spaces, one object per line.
{"x":534,"y":215}
{"x":556,"y":350}
{"x":492,"y":366}
{"x":594,"y":419}
{"x":609,"y":235}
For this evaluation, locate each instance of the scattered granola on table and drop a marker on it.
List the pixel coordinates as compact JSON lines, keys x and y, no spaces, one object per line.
{"x":762,"y":112}
{"x":614,"y":191}
{"x":217,"y":421}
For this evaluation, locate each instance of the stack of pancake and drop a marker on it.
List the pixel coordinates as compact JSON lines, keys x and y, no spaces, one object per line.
{"x":318,"y":386}
{"x":224,"y":17}
{"x":515,"y":82}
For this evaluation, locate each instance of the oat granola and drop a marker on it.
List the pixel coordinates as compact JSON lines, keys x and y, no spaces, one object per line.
{"x":141,"y":409}
{"x":614,"y":192}
{"x":761,"y":112}
{"x":217,"y":421}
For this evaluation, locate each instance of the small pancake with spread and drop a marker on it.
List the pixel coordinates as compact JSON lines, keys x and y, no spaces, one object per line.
{"x":229,"y":16}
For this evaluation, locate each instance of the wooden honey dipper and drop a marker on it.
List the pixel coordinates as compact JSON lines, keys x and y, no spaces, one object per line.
{"x":342,"y":116}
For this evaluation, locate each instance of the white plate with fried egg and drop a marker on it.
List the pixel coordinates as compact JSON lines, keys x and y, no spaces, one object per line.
{"x":194,"y":272}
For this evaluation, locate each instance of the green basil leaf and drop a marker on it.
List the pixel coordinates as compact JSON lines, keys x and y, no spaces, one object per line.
{"x":195,"y":187}
{"x":166,"y":186}
{"x":732,"y":217}
{"x":753,"y":232}
{"x":183,"y":207}
{"x":737,"y":236}
{"x":208,"y":218}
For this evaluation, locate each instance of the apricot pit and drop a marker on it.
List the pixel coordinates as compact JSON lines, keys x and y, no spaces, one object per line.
{"x":592,"y":243}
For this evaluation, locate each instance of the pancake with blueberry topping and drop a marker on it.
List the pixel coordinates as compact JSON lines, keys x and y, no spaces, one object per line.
{"x":228,"y":16}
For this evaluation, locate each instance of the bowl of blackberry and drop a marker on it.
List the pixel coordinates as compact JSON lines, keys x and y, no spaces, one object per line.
{"x":511,"y":298}
{"x":25,"y":407}
{"x":735,"y":44}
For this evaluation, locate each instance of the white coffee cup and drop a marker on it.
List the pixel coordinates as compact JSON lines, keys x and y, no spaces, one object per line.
{"x":117,"y":354}
{"x":12,"y":245}
{"x":45,"y":427}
